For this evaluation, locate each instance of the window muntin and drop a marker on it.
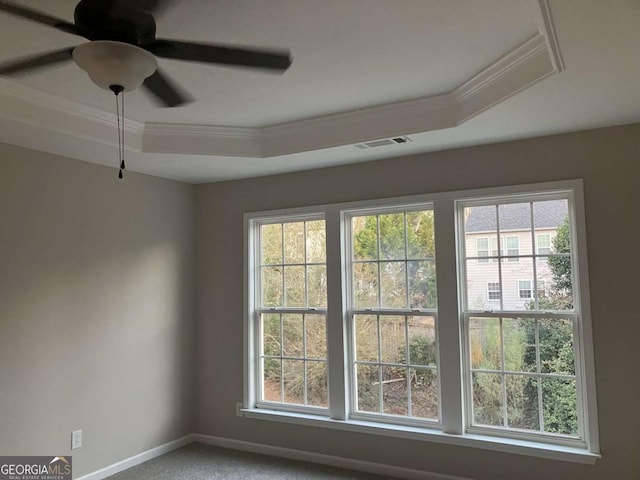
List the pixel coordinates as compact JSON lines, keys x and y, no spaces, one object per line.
{"x":392,"y":314}
{"x":292,"y":317}
{"x":544,"y":307}
{"x":522,"y":368}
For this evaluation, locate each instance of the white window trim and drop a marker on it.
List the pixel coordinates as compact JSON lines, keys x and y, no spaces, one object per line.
{"x":453,"y":431}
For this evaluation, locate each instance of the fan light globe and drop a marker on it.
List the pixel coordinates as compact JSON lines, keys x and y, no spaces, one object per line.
{"x":115,"y":63}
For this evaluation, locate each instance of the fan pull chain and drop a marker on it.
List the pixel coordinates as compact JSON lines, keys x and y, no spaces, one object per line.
{"x":122,"y":167}
{"x":117,"y":90}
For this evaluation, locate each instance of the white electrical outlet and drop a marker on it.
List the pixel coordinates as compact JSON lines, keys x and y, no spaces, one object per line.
{"x":239,"y":408}
{"x":76,"y":439}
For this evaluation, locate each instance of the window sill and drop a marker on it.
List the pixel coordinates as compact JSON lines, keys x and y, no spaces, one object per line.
{"x":518,"y":447}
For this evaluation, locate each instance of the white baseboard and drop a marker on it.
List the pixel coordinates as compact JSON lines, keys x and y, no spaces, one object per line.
{"x":333,"y":461}
{"x":138,"y":459}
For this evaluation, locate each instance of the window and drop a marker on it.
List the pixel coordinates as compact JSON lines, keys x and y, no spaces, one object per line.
{"x":493,"y":291}
{"x":512,"y":244}
{"x":385,"y":315}
{"x":482,"y":249}
{"x":513,"y":248}
{"x":525,"y":289}
{"x":392,"y":311}
{"x":543,"y":242}
{"x":292,"y":313}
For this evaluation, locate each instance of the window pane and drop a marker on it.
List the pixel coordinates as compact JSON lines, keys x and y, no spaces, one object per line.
{"x":424,"y":393}
{"x":519,"y":335}
{"x":393,"y":282}
{"x":368,"y":388}
{"x":487,"y":399}
{"x":512,"y":274}
{"x":551,"y":217}
{"x":480,"y":294}
{"x":522,"y":402}
{"x":422,"y":284}
{"x":515,"y":228}
{"x":271,"y":243}
{"x":558,"y":283}
{"x":317,"y":384}
{"x":420,"y":235}
{"x":392,"y":236}
{"x":365,"y":285}
{"x":272,"y":286}
{"x":271,"y":385}
{"x":294,"y":242}
{"x":365,"y":238}
{"x":271,"y":334}
{"x":480,"y":231}
{"x":393,"y":340}
{"x":294,"y":282}
{"x":366,"y":327}
{"x":394,"y":391}
{"x":422,"y":340}
{"x":316,"y":336}
{"x":559,"y":409}
{"x":292,"y":336}
{"x":294,"y":382}
{"x":317,"y":285}
{"x":557,"y":354}
{"x":316,"y":242}
{"x":484,"y":335}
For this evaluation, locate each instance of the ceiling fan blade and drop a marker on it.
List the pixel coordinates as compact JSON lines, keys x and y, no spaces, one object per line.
{"x":39,"y":17}
{"x":278,"y":60}
{"x":165,"y":90}
{"x":36,"y":61}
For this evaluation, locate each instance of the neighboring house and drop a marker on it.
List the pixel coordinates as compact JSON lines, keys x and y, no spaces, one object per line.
{"x":520,"y":244}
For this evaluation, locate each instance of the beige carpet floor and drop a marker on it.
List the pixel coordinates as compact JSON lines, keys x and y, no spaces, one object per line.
{"x":204,"y":462}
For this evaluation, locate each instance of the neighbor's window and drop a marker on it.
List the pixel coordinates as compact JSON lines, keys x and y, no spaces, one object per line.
{"x":348,"y":317}
{"x":525,"y":289}
{"x":493,"y":291}
{"x":293,"y":286}
{"x":393,"y":314}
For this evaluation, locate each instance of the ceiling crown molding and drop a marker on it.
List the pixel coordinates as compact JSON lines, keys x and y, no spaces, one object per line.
{"x":528,"y":63}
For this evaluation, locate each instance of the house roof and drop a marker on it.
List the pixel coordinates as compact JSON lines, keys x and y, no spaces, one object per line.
{"x":517,"y":216}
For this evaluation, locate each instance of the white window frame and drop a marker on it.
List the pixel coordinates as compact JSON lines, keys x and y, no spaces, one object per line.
{"x":454,"y":428}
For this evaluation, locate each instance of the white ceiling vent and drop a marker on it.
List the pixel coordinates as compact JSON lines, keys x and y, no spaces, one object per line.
{"x":382,"y":143}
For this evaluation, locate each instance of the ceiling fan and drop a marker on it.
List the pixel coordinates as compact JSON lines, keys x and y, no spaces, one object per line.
{"x":123,"y":47}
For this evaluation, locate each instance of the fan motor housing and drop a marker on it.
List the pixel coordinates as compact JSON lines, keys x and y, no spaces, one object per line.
{"x":112,"y":20}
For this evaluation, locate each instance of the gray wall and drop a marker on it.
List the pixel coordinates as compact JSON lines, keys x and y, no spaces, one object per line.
{"x":96,"y":309}
{"x":608,"y":162}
